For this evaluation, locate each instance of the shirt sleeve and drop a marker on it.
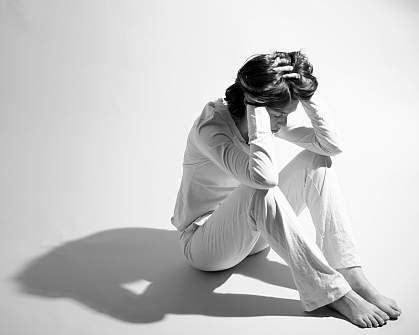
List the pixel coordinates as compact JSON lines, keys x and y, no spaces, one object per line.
{"x":256,"y":168}
{"x":322,"y":138}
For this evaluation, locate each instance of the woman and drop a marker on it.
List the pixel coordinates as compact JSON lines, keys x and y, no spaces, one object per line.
{"x":233,"y":202}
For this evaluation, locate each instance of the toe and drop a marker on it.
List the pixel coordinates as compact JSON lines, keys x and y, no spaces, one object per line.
{"x":380,"y":320}
{"x":368,"y":321}
{"x":396,"y":308}
{"x":393,"y":304}
{"x":361,"y":323}
{"x":383,"y":315}
{"x":373,"y":321}
{"x":394,"y":314}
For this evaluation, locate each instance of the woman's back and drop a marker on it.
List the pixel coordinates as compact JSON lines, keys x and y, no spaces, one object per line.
{"x":204,"y":184}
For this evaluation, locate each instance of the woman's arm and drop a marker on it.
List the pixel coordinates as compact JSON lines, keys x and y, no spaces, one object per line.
{"x":322,"y":138}
{"x":257,"y":169}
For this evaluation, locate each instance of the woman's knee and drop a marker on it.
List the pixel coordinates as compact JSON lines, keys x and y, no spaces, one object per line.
{"x":316,"y":165}
{"x":318,"y":168}
{"x":314,"y":160}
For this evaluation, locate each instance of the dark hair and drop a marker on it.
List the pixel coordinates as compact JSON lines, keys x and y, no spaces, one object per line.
{"x":260,"y":84}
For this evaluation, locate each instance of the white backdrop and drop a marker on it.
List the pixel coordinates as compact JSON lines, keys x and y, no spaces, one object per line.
{"x":97,"y":98}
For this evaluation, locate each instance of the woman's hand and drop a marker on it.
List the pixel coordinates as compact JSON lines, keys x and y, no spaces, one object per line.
{"x":299,"y":79}
{"x":283,"y":67}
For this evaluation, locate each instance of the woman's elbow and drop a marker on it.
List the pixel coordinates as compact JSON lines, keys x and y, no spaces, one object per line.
{"x":330,"y":149}
{"x":335,"y":151}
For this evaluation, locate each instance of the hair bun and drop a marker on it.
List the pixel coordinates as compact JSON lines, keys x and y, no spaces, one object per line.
{"x":234,"y":96}
{"x":305,"y":86}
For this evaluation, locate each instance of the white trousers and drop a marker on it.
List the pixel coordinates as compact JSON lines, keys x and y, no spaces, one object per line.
{"x":250,"y":220}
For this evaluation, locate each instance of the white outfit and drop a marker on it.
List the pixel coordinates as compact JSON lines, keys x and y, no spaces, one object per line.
{"x":233,"y":201}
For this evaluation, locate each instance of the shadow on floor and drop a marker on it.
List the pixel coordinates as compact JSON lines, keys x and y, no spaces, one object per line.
{"x":94,"y":269}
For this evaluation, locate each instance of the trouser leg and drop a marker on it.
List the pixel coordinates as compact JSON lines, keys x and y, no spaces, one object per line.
{"x":310,"y":180}
{"x":317,"y":282}
{"x":226,"y":237}
{"x":248,"y":216}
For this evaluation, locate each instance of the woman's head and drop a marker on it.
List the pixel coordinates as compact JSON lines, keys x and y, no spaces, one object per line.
{"x":260,"y":83}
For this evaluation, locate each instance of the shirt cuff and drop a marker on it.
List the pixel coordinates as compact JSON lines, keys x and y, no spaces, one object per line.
{"x":259,"y":122}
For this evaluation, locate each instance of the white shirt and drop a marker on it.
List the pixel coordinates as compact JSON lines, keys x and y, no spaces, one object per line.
{"x":217,"y":159}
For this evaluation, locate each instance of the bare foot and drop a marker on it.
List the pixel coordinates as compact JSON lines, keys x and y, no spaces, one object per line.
{"x":360,"y":284}
{"x":359,"y":311}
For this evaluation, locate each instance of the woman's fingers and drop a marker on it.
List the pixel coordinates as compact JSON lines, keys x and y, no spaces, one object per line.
{"x":285,"y":68}
{"x":281,"y":61}
{"x":292,"y":75}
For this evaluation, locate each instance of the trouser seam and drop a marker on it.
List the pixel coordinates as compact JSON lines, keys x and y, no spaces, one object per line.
{"x":250,"y":213}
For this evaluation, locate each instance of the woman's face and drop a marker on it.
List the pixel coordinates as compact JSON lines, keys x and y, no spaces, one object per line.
{"x":279,"y":115}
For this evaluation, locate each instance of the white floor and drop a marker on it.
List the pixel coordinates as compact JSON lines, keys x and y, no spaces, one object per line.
{"x":96,"y":101}
{"x":133,"y":280}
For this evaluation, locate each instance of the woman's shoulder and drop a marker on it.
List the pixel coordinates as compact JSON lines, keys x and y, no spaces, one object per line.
{"x":212,"y":123}
{"x":213,"y":114}
{"x":214,"y":108}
